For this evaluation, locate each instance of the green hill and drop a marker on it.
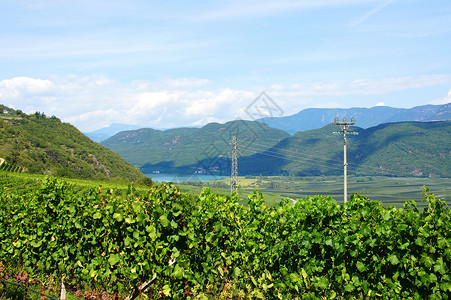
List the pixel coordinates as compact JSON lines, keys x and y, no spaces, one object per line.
{"x":189,"y":150}
{"x":394,"y":149}
{"x":44,"y":145}
{"x":407,"y":148}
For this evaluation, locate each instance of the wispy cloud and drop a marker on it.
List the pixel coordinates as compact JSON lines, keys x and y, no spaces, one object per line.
{"x":179,"y":63}
{"x":258,"y":9}
{"x":372,"y":12}
{"x":361,"y":86}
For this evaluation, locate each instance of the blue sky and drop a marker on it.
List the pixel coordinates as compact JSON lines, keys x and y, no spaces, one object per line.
{"x":167,"y":64}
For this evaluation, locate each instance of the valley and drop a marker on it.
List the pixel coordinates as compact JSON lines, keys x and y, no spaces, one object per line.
{"x":388,"y":190}
{"x":288,"y":221}
{"x":419,"y":149}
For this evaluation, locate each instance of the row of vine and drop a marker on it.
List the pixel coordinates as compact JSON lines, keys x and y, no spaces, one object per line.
{"x":211,"y":245}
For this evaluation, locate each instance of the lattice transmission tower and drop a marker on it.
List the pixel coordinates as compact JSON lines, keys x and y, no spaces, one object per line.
{"x":234,"y":174}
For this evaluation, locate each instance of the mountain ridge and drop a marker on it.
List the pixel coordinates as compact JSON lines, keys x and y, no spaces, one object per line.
{"x":394,"y":149}
{"x":106,"y":132}
{"x":147,"y":147}
{"x":313,"y":118}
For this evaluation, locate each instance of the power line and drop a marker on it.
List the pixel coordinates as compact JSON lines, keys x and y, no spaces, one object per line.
{"x":286,"y":153}
{"x":344,"y":125}
{"x":299,"y":160}
{"x":306,"y":158}
{"x":295,"y":154}
{"x":323,"y":162}
{"x":266,"y":147}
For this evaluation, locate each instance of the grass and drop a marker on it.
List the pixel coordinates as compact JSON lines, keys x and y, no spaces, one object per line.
{"x":20,"y":183}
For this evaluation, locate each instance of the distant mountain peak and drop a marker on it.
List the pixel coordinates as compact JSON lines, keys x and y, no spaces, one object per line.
{"x":104,"y":133}
{"x":313,"y":118}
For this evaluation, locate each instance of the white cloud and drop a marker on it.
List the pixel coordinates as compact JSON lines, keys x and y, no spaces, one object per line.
{"x":94,"y":115}
{"x":292,"y":98}
{"x":444,"y":100}
{"x":187,"y":82}
{"x":19,"y":85}
{"x":380,"y":104}
{"x":92,"y":102}
{"x":329,"y":105}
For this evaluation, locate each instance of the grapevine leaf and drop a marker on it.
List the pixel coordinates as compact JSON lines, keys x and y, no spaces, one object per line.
{"x":167,"y":290}
{"x":349,"y":287}
{"x":114,"y":259}
{"x":361,"y":266}
{"x":393,"y":259}
{"x":118,"y":217}
{"x":164,"y":220}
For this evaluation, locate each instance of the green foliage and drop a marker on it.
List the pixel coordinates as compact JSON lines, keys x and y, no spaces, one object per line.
{"x":44,"y":145}
{"x":5,"y":166}
{"x":12,"y":292}
{"x":186,"y":149}
{"x":394,"y":149}
{"x":211,"y":245}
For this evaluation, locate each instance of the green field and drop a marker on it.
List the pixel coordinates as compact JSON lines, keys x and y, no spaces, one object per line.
{"x":389,"y":190}
{"x":21,"y":183}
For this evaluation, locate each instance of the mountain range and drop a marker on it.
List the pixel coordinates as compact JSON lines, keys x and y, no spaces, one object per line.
{"x":106,"y":132}
{"x":313,"y":118}
{"x":40,"y":144}
{"x":395,"y":149}
{"x":189,"y":150}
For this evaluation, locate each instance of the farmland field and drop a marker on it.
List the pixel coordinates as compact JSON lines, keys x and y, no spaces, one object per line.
{"x":389,"y":190}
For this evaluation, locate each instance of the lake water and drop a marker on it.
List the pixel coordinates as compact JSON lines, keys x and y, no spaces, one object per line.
{"x":161,"y":177}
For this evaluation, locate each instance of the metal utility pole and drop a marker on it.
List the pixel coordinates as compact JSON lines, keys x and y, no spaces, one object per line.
{"x":344,"y":125}
{"x":234,"y":175}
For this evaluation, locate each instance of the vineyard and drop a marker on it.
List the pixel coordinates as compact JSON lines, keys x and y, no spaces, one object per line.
{"x":4,"y":166}
{"x":164,"y":243}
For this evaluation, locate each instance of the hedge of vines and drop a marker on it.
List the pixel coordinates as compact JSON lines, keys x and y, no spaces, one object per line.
{"x":210,"y":246}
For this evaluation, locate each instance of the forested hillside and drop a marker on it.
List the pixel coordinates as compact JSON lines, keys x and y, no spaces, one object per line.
{"x":188,"y":150}
{"x":395,"y":149}
{"x":44,"y":145}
